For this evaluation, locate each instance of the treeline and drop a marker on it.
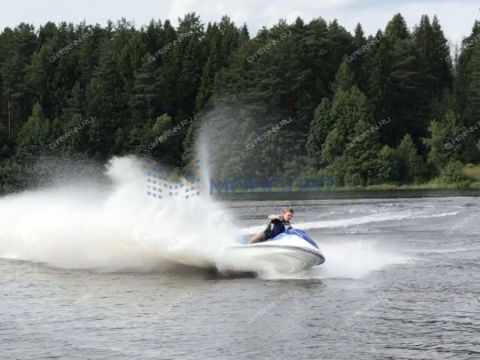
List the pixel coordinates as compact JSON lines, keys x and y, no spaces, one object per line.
{"x":389,"y":108}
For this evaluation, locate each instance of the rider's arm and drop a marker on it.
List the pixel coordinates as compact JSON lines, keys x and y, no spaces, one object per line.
{"x":275,"y":217}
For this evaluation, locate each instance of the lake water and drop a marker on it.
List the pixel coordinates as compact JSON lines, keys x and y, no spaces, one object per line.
{"x":401,"y":281}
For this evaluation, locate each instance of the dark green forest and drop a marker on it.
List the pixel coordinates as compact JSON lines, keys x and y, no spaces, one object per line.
{"x":388,"y":108}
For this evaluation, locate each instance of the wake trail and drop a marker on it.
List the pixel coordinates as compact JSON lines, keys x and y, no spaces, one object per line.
{"x":361,"y":220}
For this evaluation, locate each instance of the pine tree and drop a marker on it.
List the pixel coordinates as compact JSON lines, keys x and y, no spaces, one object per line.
{"x":344,"y":79}
{"x":105,"y":99}
{"x":348,"y":108}
{"x":358,"y":65}
{"x":5,"y":142}
{"x":319,"y":128}
{"x":435,"y":73}
{"x":397,"y":28}
{"x":439,"y":143}
{"x":408,"y":161}
{"x":361,"y":154}
{"x":351,"y":147}
{"x":16,"y":49}
{"x":471,"y":119}
{"x":387,"y":169}
{"x":34,"y":136}
{"x":146,"y":98}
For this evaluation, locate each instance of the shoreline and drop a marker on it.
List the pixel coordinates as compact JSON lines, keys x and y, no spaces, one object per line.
{"x":349,"y":194}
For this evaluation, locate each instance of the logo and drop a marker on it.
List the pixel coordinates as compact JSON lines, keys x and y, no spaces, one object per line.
{"x":160,"y":187}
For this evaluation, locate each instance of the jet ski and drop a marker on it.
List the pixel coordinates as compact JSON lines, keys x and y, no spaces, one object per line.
{"x":289,"y":252}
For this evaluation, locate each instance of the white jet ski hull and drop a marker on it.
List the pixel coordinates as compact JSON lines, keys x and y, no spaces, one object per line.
{"x":287,"y":255}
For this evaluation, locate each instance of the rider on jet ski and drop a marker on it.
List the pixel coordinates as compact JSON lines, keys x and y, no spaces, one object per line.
{"x":278,"y":224}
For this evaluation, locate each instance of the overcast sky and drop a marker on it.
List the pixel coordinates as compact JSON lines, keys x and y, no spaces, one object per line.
{"x":456,"y":16}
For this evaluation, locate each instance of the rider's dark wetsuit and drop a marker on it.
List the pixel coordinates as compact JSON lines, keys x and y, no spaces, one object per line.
{"x":276,"y":227}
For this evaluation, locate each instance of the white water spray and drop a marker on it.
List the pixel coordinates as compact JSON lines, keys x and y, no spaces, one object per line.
{"x":120,"y":228}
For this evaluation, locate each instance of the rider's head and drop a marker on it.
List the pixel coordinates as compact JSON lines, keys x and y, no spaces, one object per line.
{"x":288,"y":214}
